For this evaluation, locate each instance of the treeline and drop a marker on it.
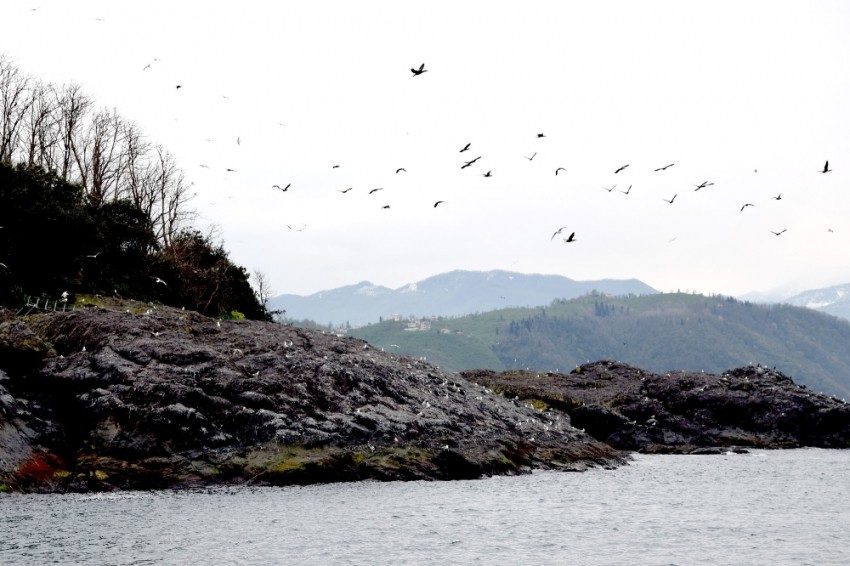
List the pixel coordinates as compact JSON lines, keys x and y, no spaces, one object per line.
{"x":88,"y":205}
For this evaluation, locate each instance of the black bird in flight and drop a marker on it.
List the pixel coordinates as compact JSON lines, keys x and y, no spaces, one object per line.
{"x":419,"y":71}
{"x":488,"y":174}
{"x":438,"y":202}
{"x":343,"y":191}
{"x":671,"y":200}
{"x":465,"y":147}
{"x":621,"y":168}
{"x":335,"y":167}
{"x":558,"y":231}
{"x":746,"y":205}
{"x":400,"y":169}
{"x":229,"y":170}
{"x":611,"y":189}
{"x":665,"y":167}
{"x":532,"y":157}
{"x":179,"y":86}
{"x":468,"y":163}
{"x":386,"y":207}
{"x":778,"y":233}
{"x":560,"y":169}
{"x":702,"y":185}
{"x":284,"y":189}
{"x":826,"y":168}
{"x":541,"y":135}
{"x":777,"y":197}
{"x":570,"y":238}
{"x":376,"y":190}
{"x":627,"y":191}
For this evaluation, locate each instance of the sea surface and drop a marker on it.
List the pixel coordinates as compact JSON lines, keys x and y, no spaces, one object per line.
{"x":764,"y":507}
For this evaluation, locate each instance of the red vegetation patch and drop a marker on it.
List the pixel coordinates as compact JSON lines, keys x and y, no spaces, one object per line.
{"x":40,"y":467}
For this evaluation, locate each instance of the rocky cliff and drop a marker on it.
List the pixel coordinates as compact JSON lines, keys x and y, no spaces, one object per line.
{"x":139,"y":397}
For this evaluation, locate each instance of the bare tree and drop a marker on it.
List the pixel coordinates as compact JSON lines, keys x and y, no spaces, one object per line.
{"x":41,"y":128}
{"x":262,"y":287}
{"x":171,"y":192}
{"x":14,"y":104}
{"x":73,"y":104}
{"x":99,"y":156}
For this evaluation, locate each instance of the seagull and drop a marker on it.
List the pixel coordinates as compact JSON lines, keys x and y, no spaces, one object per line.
{"x":558,"y":231}
{"x":400,"y":169}
{"x":468,"y":163}
{"x":343,"y":191}
{"x":376,"y":190}
{"x":627,"y":191}
{"x":146,"y":67}
{"x":532,"y":157}
{"x":665,"y":167}
{"x":229,"y":170}
{"x":611,"y":189}
{"x":238,"y":141}
{"x":746,"y":205}
{"x":826,"y":168}
{"x":621,"y":168}
{"x":296,"y":229}
{"x":385,"y":207}
{"x":335,"y":167}
{"x":466,"y":147}
{"x":94,"y":255}
{"x":778,"y":233}
{"x":777,"y":197}
{"x":571,"y":238}
{"x":205,"y":166}
{"x":179,"y":86}
{"x":671,"y":200}
{"x":559,"y":169}
{"x":438,"y":202}
{"x":158,"y":280}
{"x":417,"y":72}
{"x":488,"y":174}
{"x":541,"y":135}
{"x":4,"y":265}
{"x":284,"y":189}
{"x":702,"y":185}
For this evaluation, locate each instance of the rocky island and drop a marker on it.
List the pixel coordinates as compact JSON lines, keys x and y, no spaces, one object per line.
{"x":138,"y":396}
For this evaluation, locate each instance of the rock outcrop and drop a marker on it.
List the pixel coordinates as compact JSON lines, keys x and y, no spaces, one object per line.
{"x":682,"y":412}
{"x":142,"y":398}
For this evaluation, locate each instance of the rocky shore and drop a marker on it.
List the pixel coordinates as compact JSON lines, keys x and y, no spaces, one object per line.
{"x":682,"y":412}
{"x":138,"y":397}
{"x":142,"y":397}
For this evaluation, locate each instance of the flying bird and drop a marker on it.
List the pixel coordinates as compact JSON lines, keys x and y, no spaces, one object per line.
{"x":826,"y":168}
{"x":4,"y":266}
{"x":627,"y":191}
{"x":231,"y":170}
{"x":466,"y":147}
{"x":746,"y":205}
{"x":532,"y":157}
{"x":702,"y":185}
{"x":376,"y":190}
{"x":284,"y":189}
{"x":146,"y":67}
{"x":671,"y":200}
{"x":94,"y":255}
{"x":541,"y":135}
{"x":386,"y":206}
{"x":778,"y":233}
{"x":570,"y":238}
{"x":343,"y":191}
{"x":335,"y":167}
{"x":777,"y":197}
{"x":488,"y":174}
{"x":558,"y":231}
{"x":665,"y":167}
{"x":400,"y":169}
{"x":419,"y":71}
{"x":438,"y":202}
{"x":468,"y":163}
{"x":611,"y":189}
{"x":621,"y":168}
{"x":179,"y":86}
{"x":560,"y":169}
{"x":158,"y":280}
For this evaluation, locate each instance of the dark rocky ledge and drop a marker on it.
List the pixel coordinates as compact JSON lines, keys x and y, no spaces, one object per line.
{"x":138,"y":397}
{"x":682,"y":412}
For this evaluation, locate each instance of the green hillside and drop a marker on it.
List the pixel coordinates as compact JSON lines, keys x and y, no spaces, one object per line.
{"x":656,"y":332}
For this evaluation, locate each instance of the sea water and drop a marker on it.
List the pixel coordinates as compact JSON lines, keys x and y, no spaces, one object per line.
{"x":764,"y":507}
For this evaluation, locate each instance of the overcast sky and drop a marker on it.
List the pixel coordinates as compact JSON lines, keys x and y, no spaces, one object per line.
{"x":750,"y":96}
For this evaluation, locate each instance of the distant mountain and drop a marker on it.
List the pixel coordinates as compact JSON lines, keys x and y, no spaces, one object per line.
{"x":660,"y":333}
{"x":455,"y":293}
{"x":832,"y":300}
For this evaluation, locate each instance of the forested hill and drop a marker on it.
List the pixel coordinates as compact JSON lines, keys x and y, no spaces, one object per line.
{"x":656,"y":332}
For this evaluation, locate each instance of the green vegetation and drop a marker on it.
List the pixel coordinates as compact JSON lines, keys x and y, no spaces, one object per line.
{"x":659,"y":332}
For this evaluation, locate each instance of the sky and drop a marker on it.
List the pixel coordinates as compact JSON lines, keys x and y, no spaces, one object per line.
{"x":749,"y":96}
